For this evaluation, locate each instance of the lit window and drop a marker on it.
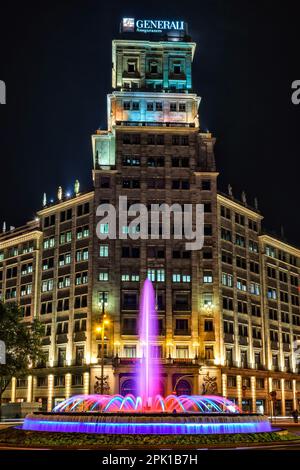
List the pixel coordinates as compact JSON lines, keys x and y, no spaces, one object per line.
{"x":103,"y":251}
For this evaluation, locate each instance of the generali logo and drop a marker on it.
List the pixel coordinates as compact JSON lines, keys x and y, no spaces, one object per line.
{"x":2,"y":92}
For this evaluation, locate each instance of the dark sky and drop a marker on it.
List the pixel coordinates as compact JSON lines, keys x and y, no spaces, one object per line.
{"x":56,"y":61}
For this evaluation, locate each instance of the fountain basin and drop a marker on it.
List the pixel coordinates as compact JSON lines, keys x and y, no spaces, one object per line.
{"x":148,"y":423}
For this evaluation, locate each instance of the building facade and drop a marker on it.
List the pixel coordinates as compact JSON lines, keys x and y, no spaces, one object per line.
{"x":229,"y":315}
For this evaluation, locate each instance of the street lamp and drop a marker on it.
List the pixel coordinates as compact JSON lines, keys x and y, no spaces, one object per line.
{"x":101,"y":329}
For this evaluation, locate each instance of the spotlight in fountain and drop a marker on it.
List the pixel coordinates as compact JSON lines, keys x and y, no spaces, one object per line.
{"x":149,"y":412}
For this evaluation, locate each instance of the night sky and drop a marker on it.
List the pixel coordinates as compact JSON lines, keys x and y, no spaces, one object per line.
{"x":56,"y":61}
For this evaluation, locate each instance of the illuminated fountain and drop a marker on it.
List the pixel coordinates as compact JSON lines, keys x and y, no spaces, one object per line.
{"x":148,"y":412}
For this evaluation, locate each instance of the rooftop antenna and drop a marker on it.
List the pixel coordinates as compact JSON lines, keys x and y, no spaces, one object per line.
{"x":256,"y":203}
{"x":4,"y":227}
{"x":44,"y":200}
{"x":282,"y":231}
{"x":230,"y":190}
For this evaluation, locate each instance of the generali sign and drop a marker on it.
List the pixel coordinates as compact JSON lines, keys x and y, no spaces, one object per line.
{"x":131,"y":25}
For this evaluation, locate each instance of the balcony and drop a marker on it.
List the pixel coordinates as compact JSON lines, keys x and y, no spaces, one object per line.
{"x":79,"y":336}
{"x":129,"y":332}
{"x":61,"y":338}
{"x":228,"y":338}
{"x":274,"y":345}
{"x":257,"y":343}
{"x":46,"y":341}
{"x":186,"y":332}
{"x":286,"y":347}
{"x":259,"y":366}
{"x":243,"y":340}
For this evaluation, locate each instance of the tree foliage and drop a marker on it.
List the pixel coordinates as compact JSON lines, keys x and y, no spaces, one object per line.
{"x":22,"y":343}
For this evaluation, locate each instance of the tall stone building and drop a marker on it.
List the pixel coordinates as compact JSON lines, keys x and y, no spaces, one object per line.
{"x":229,"y":316}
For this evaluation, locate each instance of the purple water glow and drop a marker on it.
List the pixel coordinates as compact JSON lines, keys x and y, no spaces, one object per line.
{"x":148,"y":412}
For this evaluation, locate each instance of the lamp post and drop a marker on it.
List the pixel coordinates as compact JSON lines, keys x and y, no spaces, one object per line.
{"x":101,"y":329}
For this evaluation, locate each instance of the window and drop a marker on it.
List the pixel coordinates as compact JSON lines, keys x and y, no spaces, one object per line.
{"x":255,"y":310}
{"x":66,"y":215}
{"x":271,"y":272}
{"x":181,"y":326}
{"x":240,"y":240}
{"x":63,"y":282}
{"x":64,"y":259}
{"x":129,"y":300}
{"x":231,"y":381}
{"x":226,"y":257}
{"x":129,"y":326}
{"x":65,"y":237}
{"x":227,"y":303}
{"x":242,"y":307}
{"x":252,"y":225}
{"x":243,"y":330}
{"x":207,"y":277}
{"x":253,"y":246}
{"x":254,"y":288}
{"x":103,"y":251}
{"x":173,"y":106}
{"x":241,"y":262}
{"x":295,"y":300}
{"x":256,"y":332}
{"x":129,"y":350}
{"x":226,"y":234}
{"x":131,"y":139}
{"x":182,"y":352}
{"x":228,"y":327}
{"x":181,"y":301}
{"x":82,"y":232}
{"x":80,"y":301}
{"x":208,"y":325}
{"x":209,"y":353}
{"x":241,"y":284}
{"x":270,"y":251}
{"x":225,"y":212}
{"x":206,"y":185}
{"x":207,"y":299}
{"x":239,"y":219}
{"x":158,"y":106}
{"x":254,"y":267}
{"x":26,"y":290}
{"x":273,"y":314}
{"x":284,"y":297}
{"x":182,"y":107}
{"x":103,"y":276}
{"x":227,"y":279}
{"x":47,"y":285}
{"x":271,"y":293}
{"x":81,"y":278}
{"x":48,"y":243}
{"x":48,"y":264}
{"x":49,"y":221}
{"x":77,"y":380}
{"x":26,"y":269}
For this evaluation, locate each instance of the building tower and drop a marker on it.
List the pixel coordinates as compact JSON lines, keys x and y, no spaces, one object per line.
{"x":154,"y":152}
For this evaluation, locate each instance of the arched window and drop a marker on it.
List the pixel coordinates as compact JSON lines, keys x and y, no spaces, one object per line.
{"x":128,"y":387}
{"x":183,"y":388}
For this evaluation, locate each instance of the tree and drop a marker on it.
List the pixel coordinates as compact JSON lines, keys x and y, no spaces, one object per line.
{"x":22,"y":344}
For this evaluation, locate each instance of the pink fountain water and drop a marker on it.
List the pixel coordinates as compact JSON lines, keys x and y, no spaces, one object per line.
{"x":148,"y":412}
{"x":148,"y":369}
